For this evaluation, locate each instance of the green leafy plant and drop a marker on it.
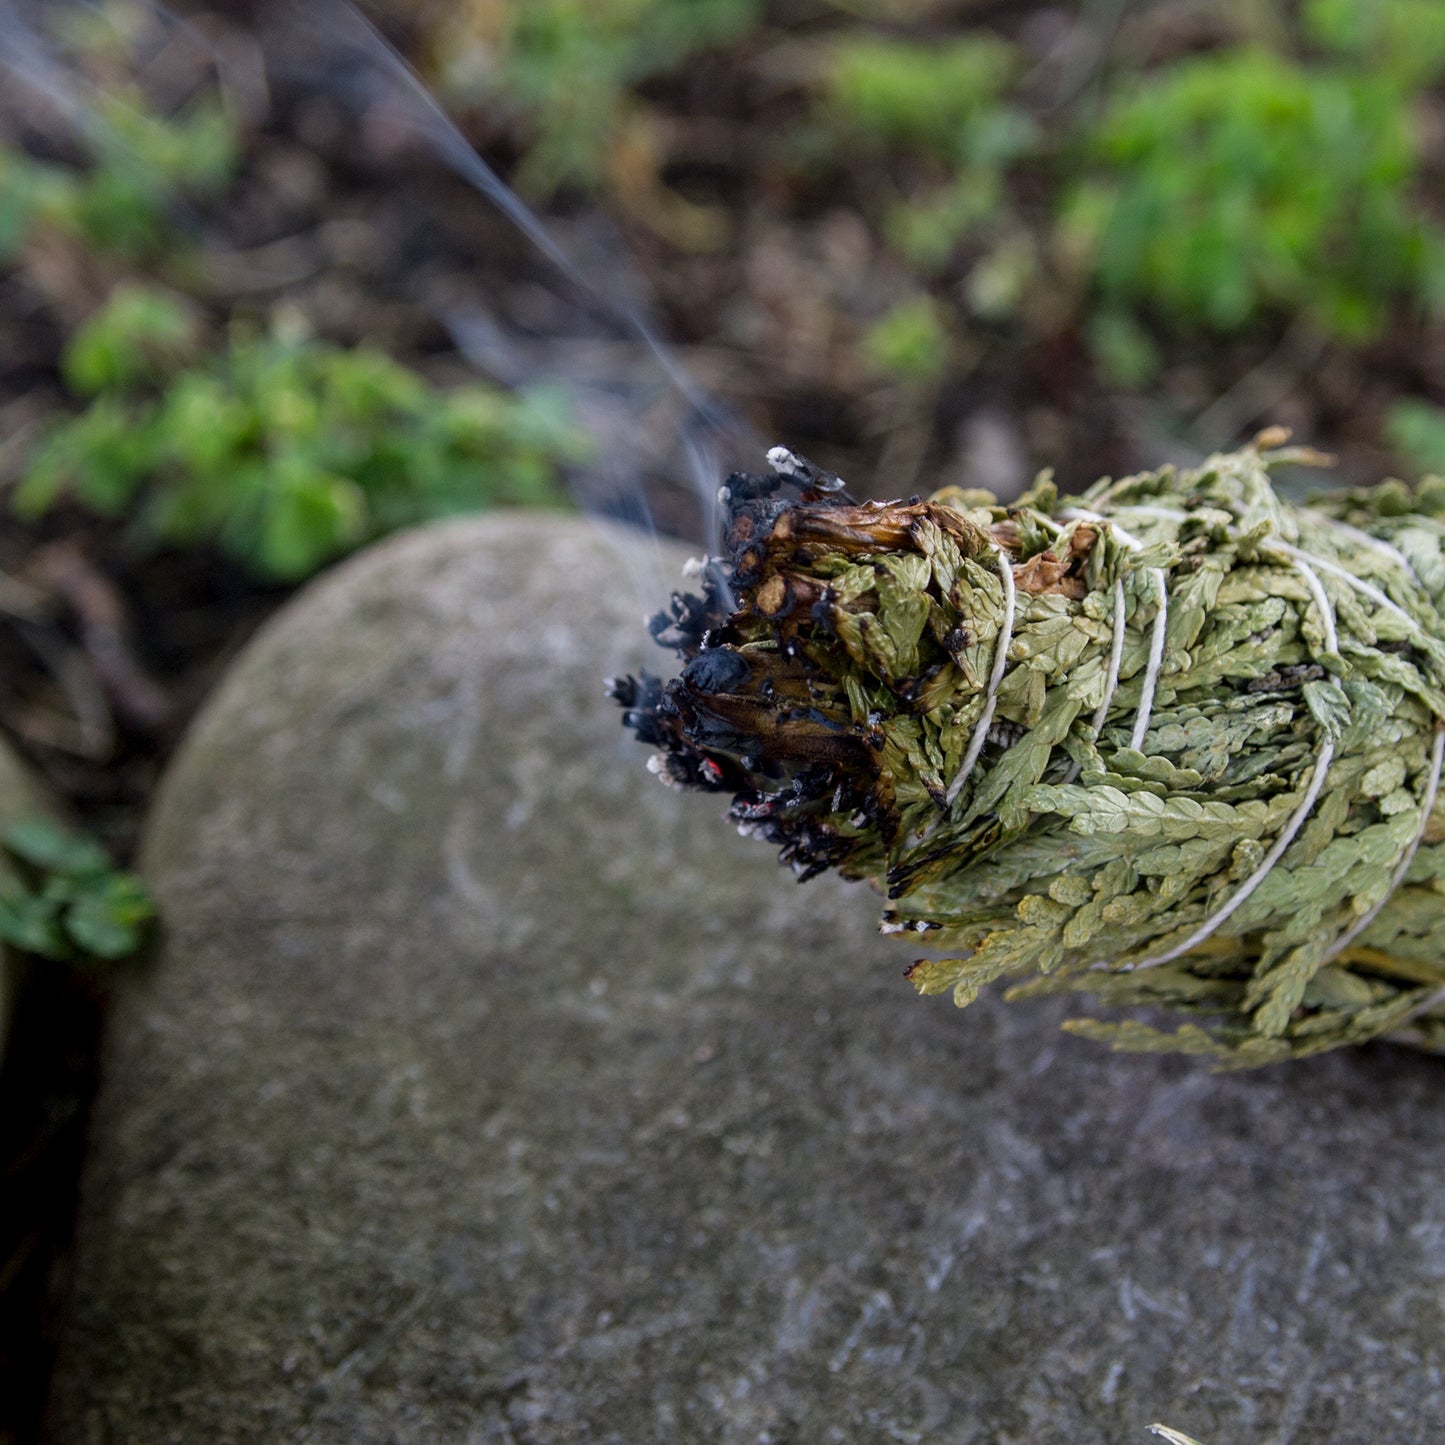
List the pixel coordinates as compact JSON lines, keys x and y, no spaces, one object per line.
{"x":1404,"y":39}
{"x":570,"y":68}
{"x":130,"y":165}
{"x":942,"y":100}
{"x":27,"y":190}
{"x":62,"y":898}
{"x":941,"y":111}
{"x":142,"y":334}
{"x":127,"y":201}
{"x":282,"y":450}
{"x":1123,"y":349}
{"x":910,"y":343}
{"x":1241,"y":183}
{"x":1416,"y":429}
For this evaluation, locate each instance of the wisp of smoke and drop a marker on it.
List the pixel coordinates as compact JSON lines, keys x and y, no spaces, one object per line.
{"x":710,"y":440}
{"x":710,"y":433}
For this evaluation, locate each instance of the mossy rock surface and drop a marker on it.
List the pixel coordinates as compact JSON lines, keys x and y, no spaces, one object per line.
{"x":487,"y":1091}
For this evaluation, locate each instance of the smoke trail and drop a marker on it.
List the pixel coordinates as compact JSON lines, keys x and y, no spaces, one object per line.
{"x":104,"y":123}
{"x":354,"y":32}
{"x":709,"y":438}
{"x":710,"y":431}
{"x":33,"y":62}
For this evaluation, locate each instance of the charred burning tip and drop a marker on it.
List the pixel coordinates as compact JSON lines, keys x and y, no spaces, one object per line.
{"x":692,"y":772}
{"x":716,"y":671}
{"x":761,"y":721}
{"x":641,"y":699}
{"x":807,"y":474}
{"x":629,"y":691}
{"x":687,"y":619}
{"x":744,"y":487}
{"x":892,"y":922}
{"x":772,"y":597}
{"x":748,"y":566}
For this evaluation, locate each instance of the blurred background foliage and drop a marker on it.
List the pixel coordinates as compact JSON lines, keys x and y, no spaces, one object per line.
{"x":249,"y":320}
{"x":976,"y":239}
{"x":280,"y":449}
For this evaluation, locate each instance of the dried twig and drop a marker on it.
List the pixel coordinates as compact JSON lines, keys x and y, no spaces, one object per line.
{"x":105,"y":633}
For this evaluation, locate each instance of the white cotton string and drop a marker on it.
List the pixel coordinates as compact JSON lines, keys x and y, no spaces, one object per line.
{"x":1000,"y":661}
{"x":1368,"y":589}
{"x":1156,"y":660}
{"x":1164,"y":514}
{"x":1427,"y":806}
{"x":1378,"y":545}
{"x":1111,"y":677}
{"x":1374,"y":544}
{"x":1116,"y":656}
{"x":1296,"y":822}
{"x":1321,"y":601}
{"x":1156,"y":638}
{"x":1297,"y":819}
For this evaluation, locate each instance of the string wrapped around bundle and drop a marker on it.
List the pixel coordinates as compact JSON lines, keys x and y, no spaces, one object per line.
{"x":1175,"y":743}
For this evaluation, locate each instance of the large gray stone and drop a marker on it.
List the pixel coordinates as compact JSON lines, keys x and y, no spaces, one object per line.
{"x":489,"y":1092}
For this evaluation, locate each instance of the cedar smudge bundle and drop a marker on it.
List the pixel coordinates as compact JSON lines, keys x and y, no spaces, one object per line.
{"x":1175,"y":743}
